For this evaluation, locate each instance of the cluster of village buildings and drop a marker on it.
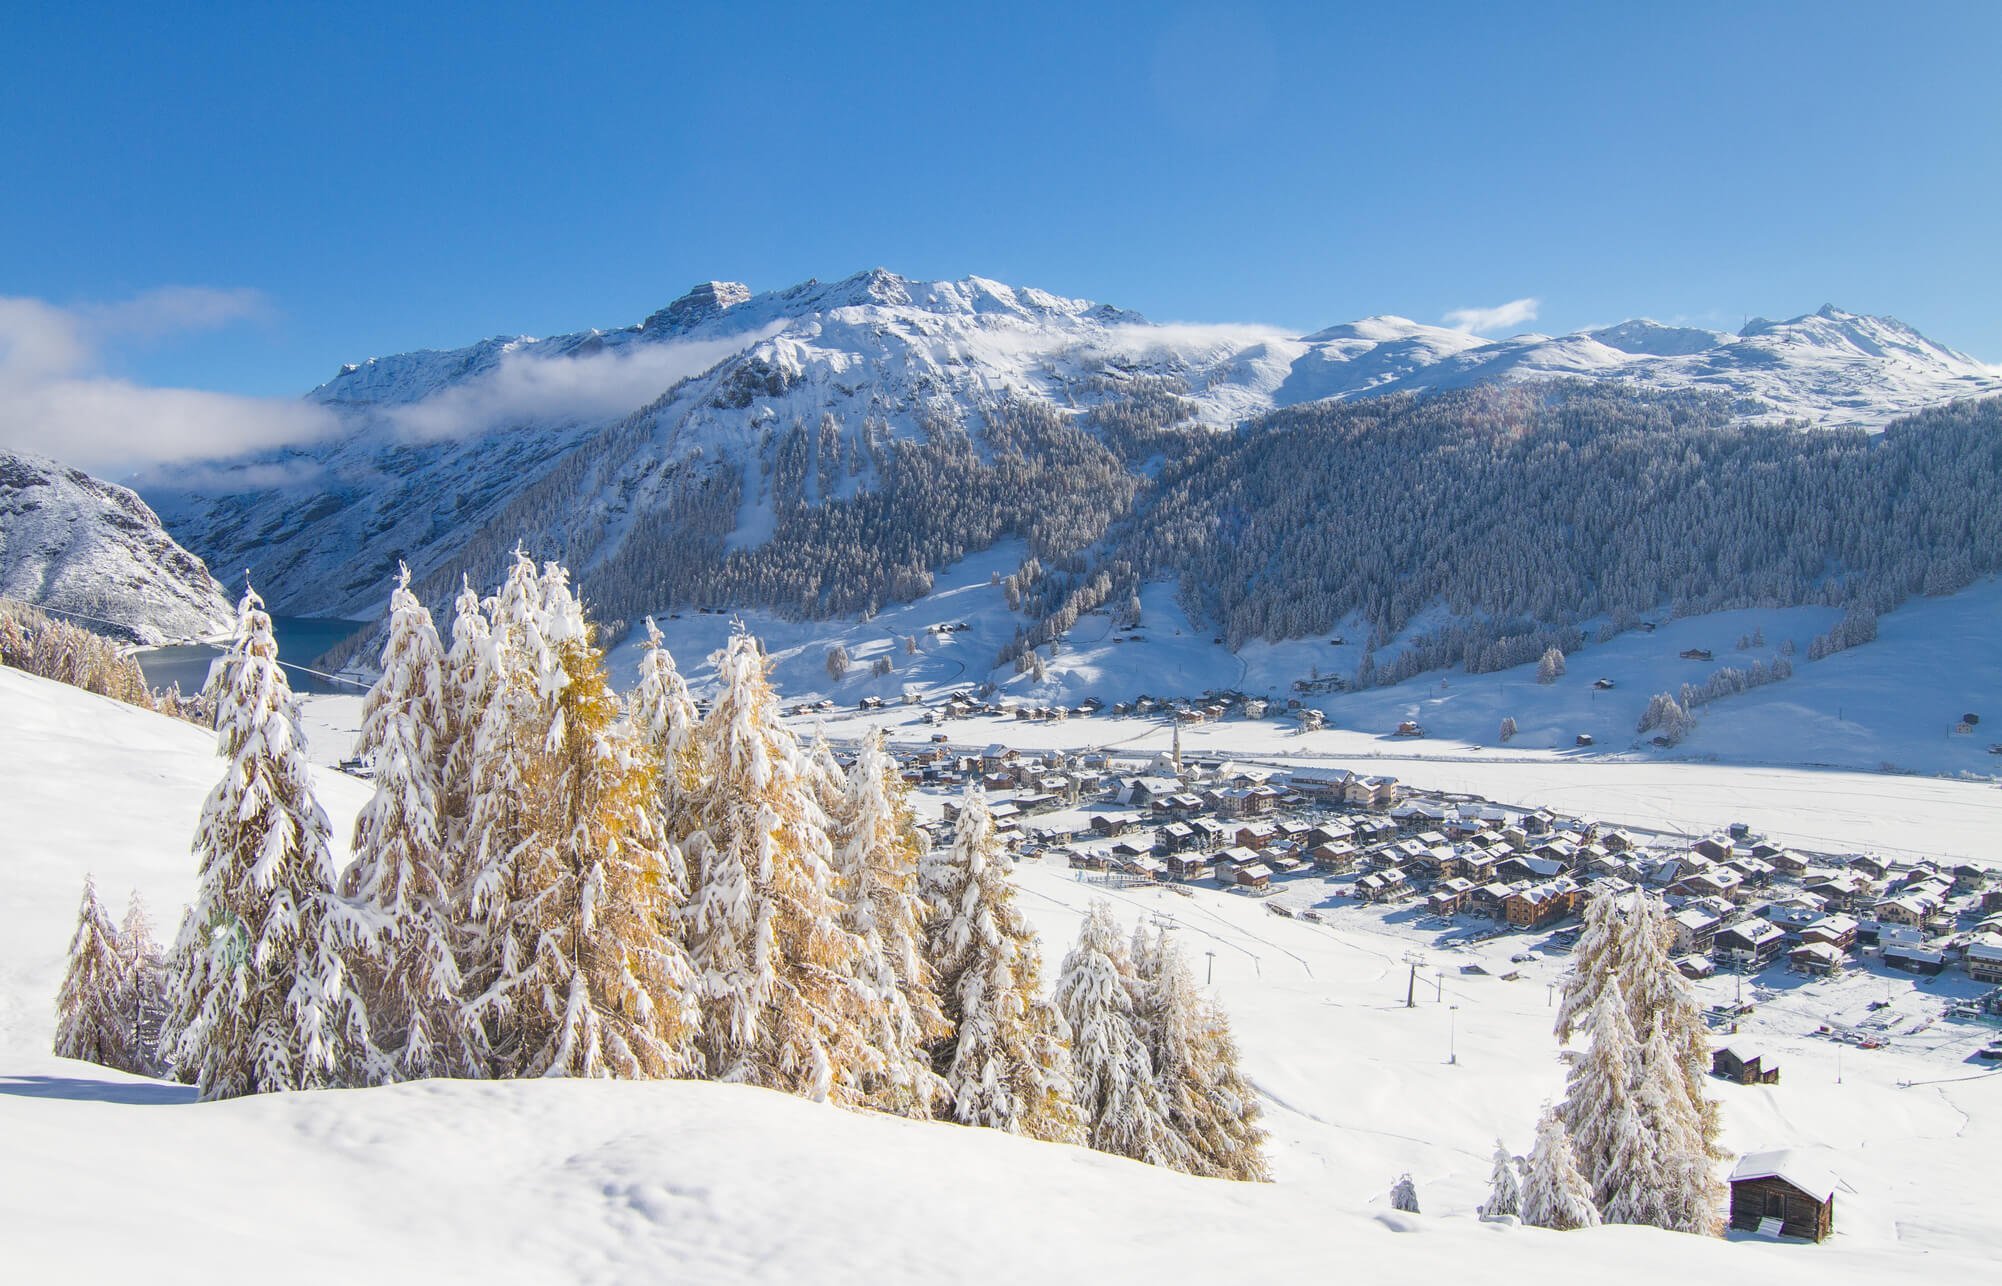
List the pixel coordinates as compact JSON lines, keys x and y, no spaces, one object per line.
{"x":1739,"y":903}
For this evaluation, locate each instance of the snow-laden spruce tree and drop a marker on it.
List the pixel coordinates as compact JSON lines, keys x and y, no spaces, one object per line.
{"x":825,"y":775}
{"x":1555,"y":1194}
{"x":402,"y":871}
{"x":261,"y":997}
{"x":1595,"y":959}
{"x":1661,"y":1004}
{"x":665,"y":716}
{"x":1551,"y":667}
{"x":587,"y":974}
{"x":142,"y":992}
{"x":1007,"y":1063}
{"x":1124,"y":1104}
{"x":1211,"y":1105}
{"x":877,"y":848}
{"x":1612,"y":1138}
{"x":469,"y":685}
{"x":1404,"y":1195}
{"x":503,"y":848}
{"x":1504,"y":1186}
{"x":91,"y":1023}
{"x":774,"y":967}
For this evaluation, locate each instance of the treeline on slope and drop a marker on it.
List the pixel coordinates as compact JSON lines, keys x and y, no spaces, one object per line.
{"x":554,"y":880}
{"x":40,"y":644}
{"x":1525,"y":510}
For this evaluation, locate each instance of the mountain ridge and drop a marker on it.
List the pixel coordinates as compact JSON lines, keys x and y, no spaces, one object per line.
{"x":78,"y":545}
{"x":732,"y":408}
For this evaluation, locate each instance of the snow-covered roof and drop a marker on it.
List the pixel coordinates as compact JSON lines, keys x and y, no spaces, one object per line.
{"x":1789,"y":1166}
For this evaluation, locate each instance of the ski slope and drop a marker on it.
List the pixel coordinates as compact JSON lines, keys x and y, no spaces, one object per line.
{"x":106,"y":1175}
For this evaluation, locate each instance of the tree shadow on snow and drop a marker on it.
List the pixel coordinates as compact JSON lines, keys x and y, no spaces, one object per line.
{"x":80,"y":1090}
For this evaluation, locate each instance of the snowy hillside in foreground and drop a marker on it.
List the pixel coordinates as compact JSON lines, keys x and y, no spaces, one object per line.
{"x":595,"y":435}
{"x":565,"y":1181}
{"x":74,"y":543}
{"x":570,"y":1181}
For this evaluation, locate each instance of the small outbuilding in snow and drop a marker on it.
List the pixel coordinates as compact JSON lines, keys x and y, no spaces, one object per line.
{"x":1777,"y":1194}
{"x":1744,"y":1064}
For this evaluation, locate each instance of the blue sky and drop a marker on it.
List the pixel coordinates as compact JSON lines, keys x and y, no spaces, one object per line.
{"x":343,"y":181}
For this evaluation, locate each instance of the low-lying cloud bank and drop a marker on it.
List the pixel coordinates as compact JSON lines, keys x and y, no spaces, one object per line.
{"x":527,"y":388}
{"x":57,"y":400}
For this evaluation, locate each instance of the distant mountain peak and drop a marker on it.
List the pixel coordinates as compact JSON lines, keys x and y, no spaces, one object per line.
{"x":704,"y":300}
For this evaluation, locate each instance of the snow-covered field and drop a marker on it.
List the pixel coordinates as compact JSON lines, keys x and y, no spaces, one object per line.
{"x":105,"y":1175}
{"x":1893,"y":703}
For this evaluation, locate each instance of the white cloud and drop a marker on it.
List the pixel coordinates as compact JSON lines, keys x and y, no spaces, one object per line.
{"x":1502,"y":316}
{"x":56,"y":400}
{"x":524,"y":387}
{"x":175,"y":310}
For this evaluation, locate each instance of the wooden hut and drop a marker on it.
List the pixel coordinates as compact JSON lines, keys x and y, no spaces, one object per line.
{"x":1744,"y":1064}
{"x":1777,"y":1194}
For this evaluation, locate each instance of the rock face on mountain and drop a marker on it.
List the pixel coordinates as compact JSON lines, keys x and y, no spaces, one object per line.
{"x":76,"y":544}
{"x":726,"y":416}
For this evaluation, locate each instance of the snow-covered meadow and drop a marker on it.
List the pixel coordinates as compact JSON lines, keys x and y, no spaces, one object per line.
{"x":1890,"y":704}
{"x":108,"y":1174}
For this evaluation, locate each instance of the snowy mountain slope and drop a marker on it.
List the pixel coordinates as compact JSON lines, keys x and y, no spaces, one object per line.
{"x":110,"y":1175}
{"x":78,"y":544}
{"x":591,"y":436}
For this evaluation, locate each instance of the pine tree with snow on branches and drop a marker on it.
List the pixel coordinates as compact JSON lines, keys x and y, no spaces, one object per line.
{"x":402,"y":871}
{"x":90,"y":1022}
{"x":1116,"y":1085}
{"x":1007,"y":1063}
{"x":261,"y":997}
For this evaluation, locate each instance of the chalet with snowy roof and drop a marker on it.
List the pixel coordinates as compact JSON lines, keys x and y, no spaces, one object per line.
{"x":1838,"y":931}
{"x":1383,"y":886}
{"x":1911,"y":909}
{"x":1186,"y":866}
{"x":1175,"y":837}
{"x":1487,"y":899}
{"x":1540,"y":904}
{"x":1817,"y":959}
{"x":1780,"y":1194}
{"x":1253,"y":875}
{"x":1748,"y":944}
{"x":1784,"y":862}
{"x":1716,"y":882}
{"x":1109,"y":824}
{"x":1334,"y":858}
{"x":1257,"y":834}
{"x":1918,"y":960}
{"x":1867,"y":864}
{"x":1329,"y":832}
{"x":1141,"y":792}
{"x":1371,"y":792}
{"x":1374,"y":829}
{"x":1448,"y":896}
{"x":1694,"y":927}
{"x":1840,"y":891}
{"x":1982,"y":958}
{"x":1744,"y":1063}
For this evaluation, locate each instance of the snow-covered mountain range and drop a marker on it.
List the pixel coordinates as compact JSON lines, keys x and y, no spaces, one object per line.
{"x":77,"y":544}
{"x":585,"y":439}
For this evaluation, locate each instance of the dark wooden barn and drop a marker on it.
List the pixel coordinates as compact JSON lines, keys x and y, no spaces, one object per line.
{"x":1745,"y":1065}
{"x":1777,"y":1194}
